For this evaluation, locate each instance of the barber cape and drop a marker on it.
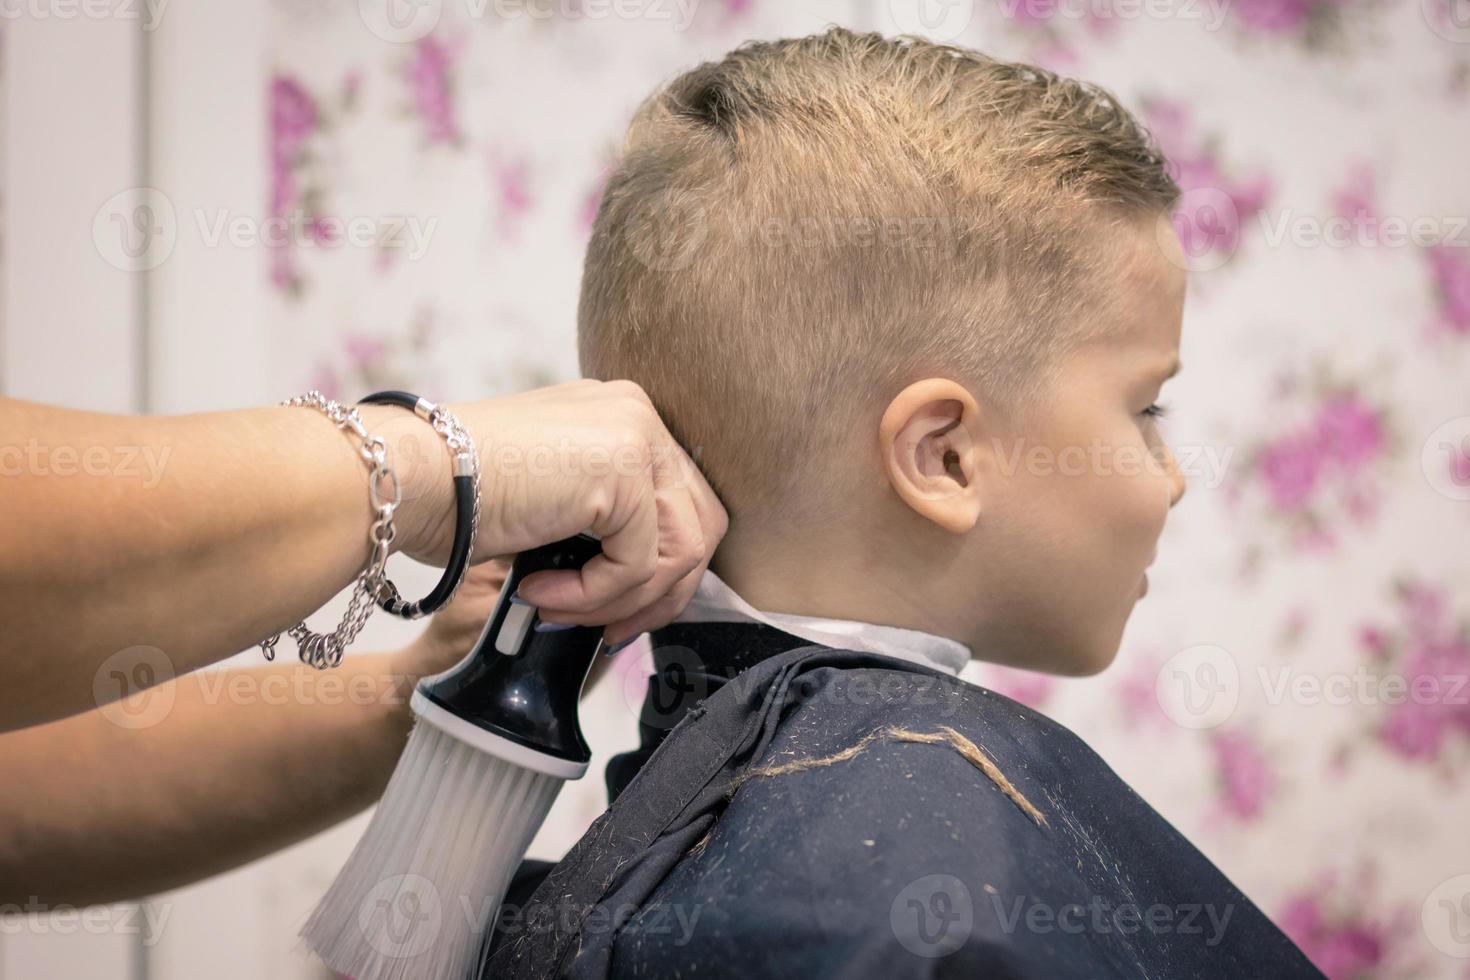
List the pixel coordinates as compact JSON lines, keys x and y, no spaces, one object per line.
{"x":799,"y":810}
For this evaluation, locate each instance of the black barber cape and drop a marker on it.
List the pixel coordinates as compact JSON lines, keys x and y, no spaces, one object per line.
{"x":901,"y":859}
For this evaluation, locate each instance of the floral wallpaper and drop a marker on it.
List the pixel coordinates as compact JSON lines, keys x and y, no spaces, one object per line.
{"x":1293,"y":692}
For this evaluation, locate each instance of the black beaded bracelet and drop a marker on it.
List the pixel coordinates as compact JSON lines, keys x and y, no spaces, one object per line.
{"x":466,"y":504}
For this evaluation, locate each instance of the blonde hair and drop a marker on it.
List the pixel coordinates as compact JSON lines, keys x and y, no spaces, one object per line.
{"x":799,"y":230}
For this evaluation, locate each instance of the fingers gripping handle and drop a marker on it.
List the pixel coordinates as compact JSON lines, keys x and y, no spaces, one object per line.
{"x":519,"y":683}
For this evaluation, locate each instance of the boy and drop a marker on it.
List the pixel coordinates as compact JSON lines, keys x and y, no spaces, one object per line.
{"x":910,"y":308}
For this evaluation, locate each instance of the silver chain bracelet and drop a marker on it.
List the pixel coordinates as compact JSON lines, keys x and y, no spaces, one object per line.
{"x":466,"y":462}
{"x":324,"y":650}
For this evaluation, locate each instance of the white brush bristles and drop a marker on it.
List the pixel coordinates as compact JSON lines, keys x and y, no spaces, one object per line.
{"x":423,"y":886}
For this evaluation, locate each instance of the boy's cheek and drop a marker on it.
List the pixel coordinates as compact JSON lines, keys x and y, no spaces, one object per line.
{"x":1135,"y":507}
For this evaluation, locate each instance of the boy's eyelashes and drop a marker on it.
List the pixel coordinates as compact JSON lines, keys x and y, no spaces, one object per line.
{"x":1156,"y":411}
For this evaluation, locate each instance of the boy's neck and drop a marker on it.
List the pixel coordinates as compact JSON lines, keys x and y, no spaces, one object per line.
{"x":829,"y":582}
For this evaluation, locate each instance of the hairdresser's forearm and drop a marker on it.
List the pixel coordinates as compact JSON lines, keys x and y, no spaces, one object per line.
{"x":243,"y":763}
{"x":198,"y":535}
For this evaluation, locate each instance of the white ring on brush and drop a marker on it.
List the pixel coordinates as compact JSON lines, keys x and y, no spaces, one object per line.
{"x":502,"y":748}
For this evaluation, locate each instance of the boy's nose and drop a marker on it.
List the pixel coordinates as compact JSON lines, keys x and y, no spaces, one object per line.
{"x":1177,"y":483}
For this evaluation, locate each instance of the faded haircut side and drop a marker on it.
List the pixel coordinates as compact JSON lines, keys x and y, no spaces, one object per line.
{"x":799,"y":230}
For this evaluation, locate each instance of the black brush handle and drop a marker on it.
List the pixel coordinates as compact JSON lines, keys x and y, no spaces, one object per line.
{"x":529,"y":696}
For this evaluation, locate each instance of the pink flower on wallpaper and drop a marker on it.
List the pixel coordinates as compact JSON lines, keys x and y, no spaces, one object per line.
{"x":1357,"y":200}
{"x":1436,"y":672}
{"x":1030,"y":11}
{"x":1273,"y":16}
{"x":293,"y":120}
{"x":1429,"y":653}
{"x":1246,"y":779}
{"x":1054,"y":34}
{"x":1341,"y":950}
{"x":1303,"y":20}
{"x":1290,"y":467}
{"x":1343,"y":931}
{"x":511,"y":191}
{"x":1138,"y":695}
{"x":293,"y":117}
{"x":1412,"y":732}
{"x":1449,"y":268}
{"x":1298,"y":621}
{"x":1323,"y":472}
{"x":593,"y":201}
{"x":432,"y":91}
{"x":738,"y":8}
{"x":1204,"y":225}
{"x":325,"y":380}
{"x":1373,"y":639}
{"x":1349,"y":431}
{"x":1426,"y":608}
{"x":1029,"y":687}
{"x":351,"y":88}
{"x":298,"y":118}
{"x":363,"y":362}
{"x":364,"y":353}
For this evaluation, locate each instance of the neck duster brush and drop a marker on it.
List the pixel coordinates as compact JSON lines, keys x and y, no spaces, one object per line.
{"x":494,"y":740}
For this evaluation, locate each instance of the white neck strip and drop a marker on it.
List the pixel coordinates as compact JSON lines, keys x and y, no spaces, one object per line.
{"x":716,"y":602}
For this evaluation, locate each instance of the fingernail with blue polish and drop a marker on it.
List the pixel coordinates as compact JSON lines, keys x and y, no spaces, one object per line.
{"x":613,"y":648}
{"x":544,"y":627}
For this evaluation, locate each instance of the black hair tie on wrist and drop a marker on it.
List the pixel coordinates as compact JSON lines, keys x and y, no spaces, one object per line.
{"x":465,"y":512}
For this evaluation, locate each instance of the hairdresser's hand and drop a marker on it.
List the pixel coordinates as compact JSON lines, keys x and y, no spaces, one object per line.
{"x":453,"y":630}
{"x":585,"y":456}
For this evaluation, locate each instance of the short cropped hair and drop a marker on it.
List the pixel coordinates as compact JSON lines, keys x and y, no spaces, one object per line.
{"x":796,"y":232}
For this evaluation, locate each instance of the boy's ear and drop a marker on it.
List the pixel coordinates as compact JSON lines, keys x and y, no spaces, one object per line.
{"x":927,"y":441}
